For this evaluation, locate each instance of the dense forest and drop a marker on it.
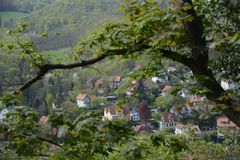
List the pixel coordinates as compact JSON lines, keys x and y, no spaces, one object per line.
{"x":173,"y":64}
{"x":25,"y":6}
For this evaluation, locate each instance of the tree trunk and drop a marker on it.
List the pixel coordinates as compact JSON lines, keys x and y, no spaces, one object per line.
{"x":199,"y":65}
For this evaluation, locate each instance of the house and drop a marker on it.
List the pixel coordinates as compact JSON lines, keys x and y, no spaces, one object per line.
{"x":143,"y":128}
{"x":134,"y":116}
{"x":184,"y":93}
{"x":224,"y":125}
{"x":184,"y":130}
{"x":4,"y":112}
{"x":186,"y":111}
{"x":206,"y":128}
{"x":115,"y":82}
{"x":158,"y":80}
{"x":113,"y":113}
{"x":230,"y":85}
{"x":112,"y":99}
{"x":168,"y":121}
{"x":84,"y":100}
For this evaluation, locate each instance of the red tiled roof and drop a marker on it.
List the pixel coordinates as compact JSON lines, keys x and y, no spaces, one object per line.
{"x":166,"y":88}
{"x":225,"y":122}
{"x":167,"y":117}
{"x":81,"y":96}
{"x":179,"y":126}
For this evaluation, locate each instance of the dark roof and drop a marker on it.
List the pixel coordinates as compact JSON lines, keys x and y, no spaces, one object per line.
{"x":143,"y":128}
{"x":167,"y":117}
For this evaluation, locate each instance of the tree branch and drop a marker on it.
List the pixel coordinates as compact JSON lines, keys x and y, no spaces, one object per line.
{"x":175,"y":56}
{"x":49,"y":141}
{"x":48,"y":67}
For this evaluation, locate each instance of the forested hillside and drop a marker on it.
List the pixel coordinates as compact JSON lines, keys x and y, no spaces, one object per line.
{"x":26,"y":6}
{"x":73,"y":19}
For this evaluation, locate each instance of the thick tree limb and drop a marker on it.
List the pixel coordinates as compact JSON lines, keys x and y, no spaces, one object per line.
{"x":48,"y":67}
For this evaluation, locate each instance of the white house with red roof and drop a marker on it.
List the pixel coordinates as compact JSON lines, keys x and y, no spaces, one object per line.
{"x":168,"y":121}
{"x":113,"y":113}
{"x":84,"y":100}
{"x":184,"y":130}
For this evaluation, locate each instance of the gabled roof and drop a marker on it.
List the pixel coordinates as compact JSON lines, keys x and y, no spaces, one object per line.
{"x":179,"y":126}
{"x":225,"y":122}
{"x":143,"y":128}
{"x":125,"y":109}
{"x":168,"y":117}
{"x":81,"y":96}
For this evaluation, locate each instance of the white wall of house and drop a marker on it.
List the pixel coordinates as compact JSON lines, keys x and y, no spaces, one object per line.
{"x":229,"y":85}
{"x":181,"y":131}
{"x":108,"y":116}
{"x":83,"y":103}
{"x":167,"y":125}
{"x":3,"y":114}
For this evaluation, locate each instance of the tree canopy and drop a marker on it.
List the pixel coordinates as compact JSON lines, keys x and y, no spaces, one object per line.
{"x":202,"y":35}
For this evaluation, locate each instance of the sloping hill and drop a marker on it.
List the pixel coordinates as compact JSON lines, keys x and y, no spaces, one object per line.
{"x":73,"y":19}
{"x":25,"y":6}
{"x":72,"y":14}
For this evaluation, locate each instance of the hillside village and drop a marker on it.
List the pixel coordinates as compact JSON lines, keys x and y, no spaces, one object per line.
{"x":182,"y":120}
